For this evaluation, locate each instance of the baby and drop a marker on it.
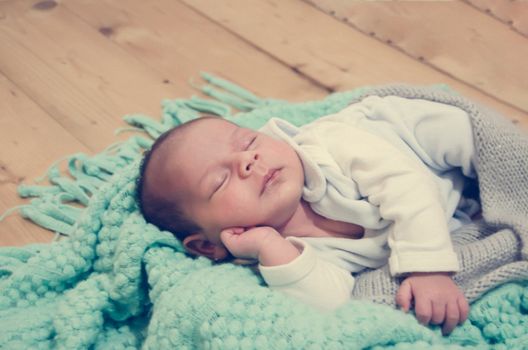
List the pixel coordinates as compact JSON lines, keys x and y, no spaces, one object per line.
{"x":379,"y":182}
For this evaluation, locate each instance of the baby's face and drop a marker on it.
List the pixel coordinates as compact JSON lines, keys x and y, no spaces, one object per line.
{"x":234,"y":177}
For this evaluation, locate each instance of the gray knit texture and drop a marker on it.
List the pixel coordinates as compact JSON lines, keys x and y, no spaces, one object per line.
{"x":493,"y":250}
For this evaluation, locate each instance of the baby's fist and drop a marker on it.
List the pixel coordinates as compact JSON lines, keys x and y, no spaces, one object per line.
{"x":437,"y":299}
{"x":247,"y":243}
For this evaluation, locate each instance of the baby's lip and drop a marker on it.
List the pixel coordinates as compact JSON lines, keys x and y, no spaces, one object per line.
{"x":270,"y":176}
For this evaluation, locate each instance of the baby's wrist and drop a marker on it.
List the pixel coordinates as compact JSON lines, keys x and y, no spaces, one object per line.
{"x":277,"y":251}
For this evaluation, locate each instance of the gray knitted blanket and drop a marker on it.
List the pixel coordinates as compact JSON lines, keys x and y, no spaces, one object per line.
{"x":491,"y":251}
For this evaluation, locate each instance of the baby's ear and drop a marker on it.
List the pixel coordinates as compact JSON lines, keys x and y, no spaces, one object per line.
{"x":198,"y":244}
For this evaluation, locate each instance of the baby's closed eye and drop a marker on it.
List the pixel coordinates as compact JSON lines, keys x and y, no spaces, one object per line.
{"x":250,"y":141}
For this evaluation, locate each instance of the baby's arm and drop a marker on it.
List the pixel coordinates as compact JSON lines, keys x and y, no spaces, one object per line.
{"x":405,"y":194}
{"x":291,"y":266}
{"x":419,"y":238}
{"x":437,"y":299}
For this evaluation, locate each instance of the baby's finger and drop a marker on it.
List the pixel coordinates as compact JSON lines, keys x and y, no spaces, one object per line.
{"x":423,"y":310}
{"x":404,"y":296}
{"x":451,"y":319}
{"x":232,"y":230}
{"x":227,"y":236}
{"x":233,"y":243}
{"x":463,"y":307}
{"x":231,"y":239}
{"x":438,"y":313}
{"x":237,"y":230}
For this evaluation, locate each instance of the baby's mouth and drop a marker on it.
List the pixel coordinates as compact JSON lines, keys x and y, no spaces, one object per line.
{"x":269,"y":179}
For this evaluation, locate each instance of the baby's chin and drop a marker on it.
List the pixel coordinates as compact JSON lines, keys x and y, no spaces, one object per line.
{"x":259,"y":224}
{"x":281,"y":221}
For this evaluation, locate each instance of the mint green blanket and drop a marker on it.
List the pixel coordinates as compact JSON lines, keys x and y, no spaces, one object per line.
{"x":119,"y":283}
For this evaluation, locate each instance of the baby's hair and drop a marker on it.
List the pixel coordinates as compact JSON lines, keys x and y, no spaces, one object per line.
{"x":165,"y":212}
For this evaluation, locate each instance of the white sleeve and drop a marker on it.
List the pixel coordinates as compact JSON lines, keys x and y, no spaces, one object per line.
{"x":310,"y":279}
{"x":404,"y":192}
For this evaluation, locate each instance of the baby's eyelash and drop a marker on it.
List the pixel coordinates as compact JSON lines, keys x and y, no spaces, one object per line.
{"x":251,"y":142}
{"x":220,"y":183}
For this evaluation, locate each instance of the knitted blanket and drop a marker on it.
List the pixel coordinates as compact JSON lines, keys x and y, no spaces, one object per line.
{"x":117,"y":282}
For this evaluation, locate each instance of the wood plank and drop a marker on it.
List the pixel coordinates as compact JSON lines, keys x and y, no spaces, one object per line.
{"x":83,"y":80}
{"x":178,"y":42}
{"x":81,"y":84}
{"x":330,"y":52}
{"x":451,"y":37}
{"x":29,"y":145}
{"x":513,"y":13}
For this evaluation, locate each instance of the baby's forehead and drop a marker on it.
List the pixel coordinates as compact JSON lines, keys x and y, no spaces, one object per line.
{"x":189,"y":149}
{"x":209,"y":125}
{"x":215,"y":129}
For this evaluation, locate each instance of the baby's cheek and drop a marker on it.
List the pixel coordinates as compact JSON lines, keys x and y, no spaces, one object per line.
{"x":239,"y":206}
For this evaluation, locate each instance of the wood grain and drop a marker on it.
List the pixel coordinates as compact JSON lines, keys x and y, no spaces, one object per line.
{"x":178,"y":42}
{"x":331,"y":52}
{"x":83,"y":80}
{"x":451,"y":37}
{"x":513,"y":13}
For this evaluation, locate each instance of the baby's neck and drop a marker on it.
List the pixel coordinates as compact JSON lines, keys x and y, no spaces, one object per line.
{"x":305,"y":222}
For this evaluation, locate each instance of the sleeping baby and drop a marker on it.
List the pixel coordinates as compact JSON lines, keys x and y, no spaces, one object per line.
{"x":377,"y":183}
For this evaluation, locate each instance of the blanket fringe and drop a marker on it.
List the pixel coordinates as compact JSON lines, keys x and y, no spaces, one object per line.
{"x":58,"y":206}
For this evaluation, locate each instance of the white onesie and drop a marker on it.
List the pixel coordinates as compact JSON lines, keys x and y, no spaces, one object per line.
{"x":396,"y":167}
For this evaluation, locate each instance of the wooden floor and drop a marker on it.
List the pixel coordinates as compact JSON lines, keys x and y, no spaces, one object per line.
{"x":70,"y":69}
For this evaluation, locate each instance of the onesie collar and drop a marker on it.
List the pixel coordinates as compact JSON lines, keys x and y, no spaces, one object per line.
{"x":314,"y":180}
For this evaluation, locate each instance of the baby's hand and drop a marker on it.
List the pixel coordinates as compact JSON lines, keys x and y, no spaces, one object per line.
{"x":246,"y":244}
{"x":262,"y":243}
{"x":437,"y":299}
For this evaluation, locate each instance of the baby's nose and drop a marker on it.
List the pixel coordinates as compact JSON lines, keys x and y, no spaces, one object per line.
{"x":252,"y":164}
